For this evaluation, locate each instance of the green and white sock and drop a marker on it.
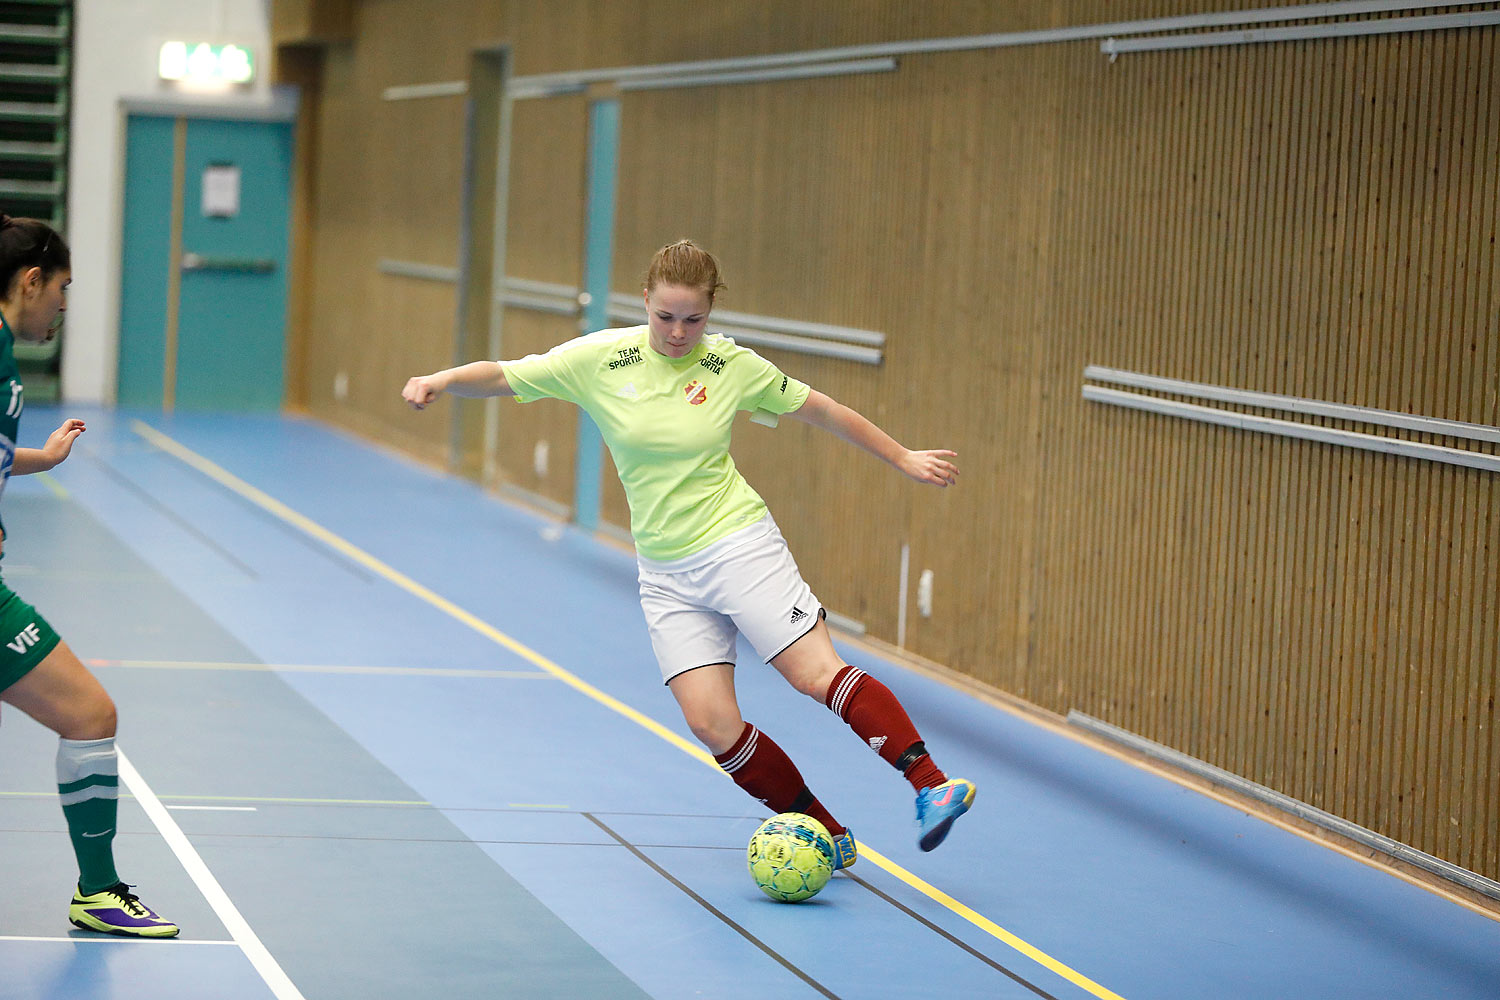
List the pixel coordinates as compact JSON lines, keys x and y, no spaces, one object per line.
{"x":88,"y":779}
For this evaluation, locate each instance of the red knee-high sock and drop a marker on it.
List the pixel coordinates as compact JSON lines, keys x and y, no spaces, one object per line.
{"x":875,"y":714}
{"x":764,"y":770}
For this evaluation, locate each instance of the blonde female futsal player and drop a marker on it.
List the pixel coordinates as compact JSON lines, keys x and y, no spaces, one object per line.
{"x":711,"y":559}
{"x":38,"y":672}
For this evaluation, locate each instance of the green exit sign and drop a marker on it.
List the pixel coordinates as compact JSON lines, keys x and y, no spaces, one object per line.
{"x":187,"y":62}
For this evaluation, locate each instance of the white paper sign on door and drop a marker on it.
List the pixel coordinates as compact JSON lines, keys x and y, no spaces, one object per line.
{"x":221,"y":191}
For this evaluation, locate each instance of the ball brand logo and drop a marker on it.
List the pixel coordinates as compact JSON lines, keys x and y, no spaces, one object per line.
{"x":694,"y":392}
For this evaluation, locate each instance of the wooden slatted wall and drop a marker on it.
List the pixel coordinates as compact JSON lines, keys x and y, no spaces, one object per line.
{"x":1312,"y":219}
{"x":1315,"y":218}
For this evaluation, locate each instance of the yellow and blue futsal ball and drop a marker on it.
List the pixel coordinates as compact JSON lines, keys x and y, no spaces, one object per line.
{"x":791,"y":857}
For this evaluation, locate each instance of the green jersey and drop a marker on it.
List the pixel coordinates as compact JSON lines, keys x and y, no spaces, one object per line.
{"x":667,"y":422}
{"x":10,"y":401}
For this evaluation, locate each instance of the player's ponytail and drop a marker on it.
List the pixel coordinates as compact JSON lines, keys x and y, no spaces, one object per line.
{"x":28,"y":243}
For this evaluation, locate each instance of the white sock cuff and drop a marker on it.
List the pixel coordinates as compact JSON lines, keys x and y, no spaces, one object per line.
{"x":79,"y":759}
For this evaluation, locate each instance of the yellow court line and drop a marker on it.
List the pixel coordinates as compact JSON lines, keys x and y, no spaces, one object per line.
{"x":281,"y":510}
{"x":52,"y":484}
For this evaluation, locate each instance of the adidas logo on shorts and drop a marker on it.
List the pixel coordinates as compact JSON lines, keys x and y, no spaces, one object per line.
{"x":797,"y":614}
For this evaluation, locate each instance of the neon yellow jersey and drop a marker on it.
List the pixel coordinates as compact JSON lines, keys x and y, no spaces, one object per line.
{"x":667,"y":422}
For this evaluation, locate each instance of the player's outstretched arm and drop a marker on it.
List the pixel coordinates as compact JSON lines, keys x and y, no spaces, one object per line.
{"x":52,"y":454}
{"x":931,"y":467}
{"x":475,"y":380}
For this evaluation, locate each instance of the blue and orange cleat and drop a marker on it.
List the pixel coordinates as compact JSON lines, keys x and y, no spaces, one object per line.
{"x":117,"y":910}
{"x":845,"y":853}
{"x":938,"y":807}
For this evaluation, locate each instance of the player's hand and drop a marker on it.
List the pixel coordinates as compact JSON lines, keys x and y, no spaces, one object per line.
{"x":60,"y":442}
{"x":421,"y":390}
{"x":930,"y":466}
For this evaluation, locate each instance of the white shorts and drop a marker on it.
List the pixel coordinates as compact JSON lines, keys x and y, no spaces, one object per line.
{"x":745,"y":583}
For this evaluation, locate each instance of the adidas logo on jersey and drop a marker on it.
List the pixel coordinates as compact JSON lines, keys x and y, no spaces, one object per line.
{"x":876,"y":742}
{"x":797,"y":614}
{"x":627,"y":390}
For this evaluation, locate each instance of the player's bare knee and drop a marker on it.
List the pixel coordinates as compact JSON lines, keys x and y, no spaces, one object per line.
{"x":108,"y":719}
{"x":96,"y":719}
{"x":816,"y":688}
{"x":709,"y":734}
{"x":815,"y":683}
{"x":716,"y":733}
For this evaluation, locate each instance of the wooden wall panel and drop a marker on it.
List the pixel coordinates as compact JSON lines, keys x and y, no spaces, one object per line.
{"x":544,"y":242}
{"x":1316,"y":218}
{"x":548,"y":189}
{"x":1293,"y":219}
{"x":295,"y":22}
{"x":388,"y":177}
{"x":302,"y":68}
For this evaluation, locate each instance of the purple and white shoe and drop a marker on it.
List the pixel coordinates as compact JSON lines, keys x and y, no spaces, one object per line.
{"x":117,"y":910}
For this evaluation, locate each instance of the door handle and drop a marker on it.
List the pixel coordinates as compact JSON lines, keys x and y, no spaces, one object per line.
{"x":242,"y":265}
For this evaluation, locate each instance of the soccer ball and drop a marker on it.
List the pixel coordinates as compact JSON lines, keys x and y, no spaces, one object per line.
{"x":791,"y":857}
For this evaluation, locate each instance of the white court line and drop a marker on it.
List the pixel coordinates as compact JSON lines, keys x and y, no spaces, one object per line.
{"x":269,"y":970}
{"x":309,"y":668}
{"x":110,"y":939}
{"x":221,"y":809}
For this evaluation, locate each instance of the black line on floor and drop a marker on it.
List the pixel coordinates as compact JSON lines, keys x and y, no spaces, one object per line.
{"x":712,"y":909}
{"x":301,"y":537}
{"x":122,"y":480}
{"x":951,"y":939}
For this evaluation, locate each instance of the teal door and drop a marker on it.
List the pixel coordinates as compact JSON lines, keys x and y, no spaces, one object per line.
{"x":203,"y":263}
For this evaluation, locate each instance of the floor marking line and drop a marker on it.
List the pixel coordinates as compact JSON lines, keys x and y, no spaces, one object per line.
{"x":246,"y":798}
{"x":226,"y":809}
{"x":182,"y":524}
{"x":110,"y":939}
{"x":533,"y":805}
{"x":228,"y":914}
{"x":952,"y":938}
{"x":255,"y":509}
{"x":308,"y":668}
{"x":979,"y":920}
{"x":57,"y":488}
{"x":270,"y":503}
{"x":274,"y":800}
{"x":751,"y":938}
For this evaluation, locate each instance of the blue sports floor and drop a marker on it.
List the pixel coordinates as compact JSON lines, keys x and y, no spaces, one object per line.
{"x":387,"y":736}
